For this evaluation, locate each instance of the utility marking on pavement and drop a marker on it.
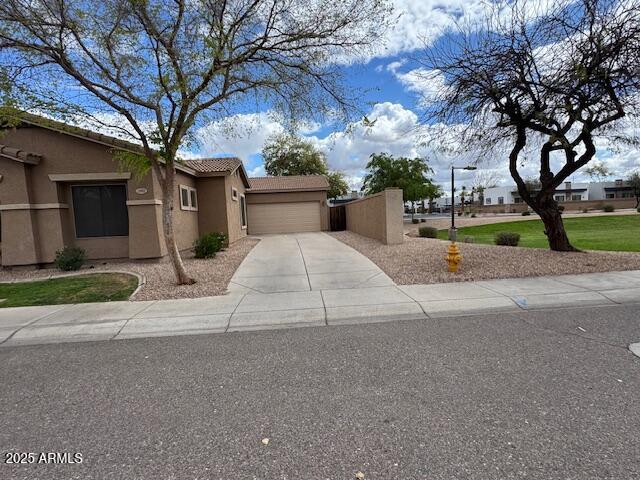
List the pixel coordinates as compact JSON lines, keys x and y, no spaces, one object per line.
{"x":635,"y":349}
{"x":520,"y":301}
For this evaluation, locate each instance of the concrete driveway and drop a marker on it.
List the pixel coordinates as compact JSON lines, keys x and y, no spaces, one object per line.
{"x":301,"y":262}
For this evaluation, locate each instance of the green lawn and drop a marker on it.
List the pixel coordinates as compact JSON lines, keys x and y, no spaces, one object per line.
{"x":612,"y":232}
{"x":98,"y":287}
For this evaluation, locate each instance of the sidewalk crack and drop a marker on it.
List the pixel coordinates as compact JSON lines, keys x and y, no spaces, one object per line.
{"x":226,"y":330}
{"x":306,"y":271}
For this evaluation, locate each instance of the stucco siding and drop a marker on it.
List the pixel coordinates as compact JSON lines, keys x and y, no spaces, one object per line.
{"x":378,"y":216}
{"x":185,"y":222}
{"x":47,"y":224}
{"x":234,"y":220}
{"x":212,"y":211}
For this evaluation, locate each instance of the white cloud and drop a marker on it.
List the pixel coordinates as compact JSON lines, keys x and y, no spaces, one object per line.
{"x":427,"y":84}
{"x":242,"y":135}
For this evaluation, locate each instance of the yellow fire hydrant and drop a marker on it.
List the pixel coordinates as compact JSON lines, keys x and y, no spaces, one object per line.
{"x":453,"y":257}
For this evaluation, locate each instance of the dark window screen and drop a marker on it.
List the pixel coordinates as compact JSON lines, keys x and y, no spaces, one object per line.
{"x":243,"y":211}
{"x":100,"y":211}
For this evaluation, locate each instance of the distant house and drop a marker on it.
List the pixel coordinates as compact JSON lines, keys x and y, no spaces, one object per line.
{"x":569,"y":192}
{"x":60,"y":185}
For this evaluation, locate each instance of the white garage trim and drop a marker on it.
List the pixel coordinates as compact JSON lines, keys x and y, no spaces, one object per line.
{"x":291,"y":217}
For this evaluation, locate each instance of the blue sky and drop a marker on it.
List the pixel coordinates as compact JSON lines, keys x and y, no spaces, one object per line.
{"x":393,"y":90}
{"x":393,"y":96}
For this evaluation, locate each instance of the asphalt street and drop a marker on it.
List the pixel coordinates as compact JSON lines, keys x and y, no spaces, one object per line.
{"x":535,"y":395}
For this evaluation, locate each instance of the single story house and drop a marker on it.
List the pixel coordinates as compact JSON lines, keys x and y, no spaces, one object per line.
{"x":61,"y":186}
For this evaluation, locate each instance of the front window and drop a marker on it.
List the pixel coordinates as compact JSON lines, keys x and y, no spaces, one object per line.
{"x":487,"y":201}
{"x":576,"y":198}
{"x":611,"y":195}
{"x":188,"y":198}
{"x":559,"y":198}
{"x":243,"y":212}
{"x":501,"y":200}
{"x":100,"y":211}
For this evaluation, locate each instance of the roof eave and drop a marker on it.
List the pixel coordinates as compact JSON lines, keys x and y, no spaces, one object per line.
{"x":100,"y":139}
{"x":289,"y":190}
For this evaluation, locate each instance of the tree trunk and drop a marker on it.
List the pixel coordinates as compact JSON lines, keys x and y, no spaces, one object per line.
{"x":554,"y":226}
{"x":182,"y":277}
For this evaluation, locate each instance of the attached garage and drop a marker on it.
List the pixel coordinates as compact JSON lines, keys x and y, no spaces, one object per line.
{"x":287,"y":204}
{"x":284,"y":217}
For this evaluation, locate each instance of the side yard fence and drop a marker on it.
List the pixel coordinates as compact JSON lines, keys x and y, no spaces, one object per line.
{"x":378,"y":216}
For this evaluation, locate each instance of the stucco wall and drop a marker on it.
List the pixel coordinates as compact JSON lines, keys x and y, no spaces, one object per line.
{"x":378,"y":216}
{"x":46,"y":223}
{"x":286,"y":197}
{"x":234,"y":220}
{"x":212,"y":214}
{"x":185,"y":222}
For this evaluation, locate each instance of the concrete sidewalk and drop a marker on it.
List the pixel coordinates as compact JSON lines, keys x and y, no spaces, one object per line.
{"x":256,"y":311}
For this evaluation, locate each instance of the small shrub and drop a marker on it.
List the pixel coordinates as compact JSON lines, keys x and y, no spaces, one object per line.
{"x":423,"y":220}
{"x":510,"y":239}
{"x":585,"y":210}
{"x":208,"y":245}
{"x":415,"y":220}
{"x":460,"y":214}
{"x":526,"y":213}
{"x":608,"y":208}
{"x":70,"y":258}
{"x":473,"y":215}
{"x":428,"y":232}
{"x":638,"y":209}
{"x":561,"y":208}
{"x":469,"y":239}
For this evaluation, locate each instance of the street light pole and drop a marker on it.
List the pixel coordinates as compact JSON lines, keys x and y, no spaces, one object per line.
{"x":452,"y":230}
{"x":452,"y":233}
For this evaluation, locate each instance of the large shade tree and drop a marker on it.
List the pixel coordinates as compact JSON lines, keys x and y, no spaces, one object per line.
{"x":409,"y":174}
{"x":289,"y":154}
{"x":544,"y":84}
{"x":163,"y":67}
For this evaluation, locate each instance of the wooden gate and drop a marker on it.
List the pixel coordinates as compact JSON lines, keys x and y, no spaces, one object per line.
{"x":338,"y":218}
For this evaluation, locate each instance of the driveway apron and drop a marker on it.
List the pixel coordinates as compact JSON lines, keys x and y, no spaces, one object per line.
{"x":304,"y":262}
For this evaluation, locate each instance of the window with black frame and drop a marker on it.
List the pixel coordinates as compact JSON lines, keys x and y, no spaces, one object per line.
{"x":100,"y":210}
{"x":243,"y":211}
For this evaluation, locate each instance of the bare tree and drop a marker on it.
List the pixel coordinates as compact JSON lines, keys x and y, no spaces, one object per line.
{"x":548,"y":82}
{"x":165,"y":66}
{"x":482,"y":180}
{"x":598,"y":171}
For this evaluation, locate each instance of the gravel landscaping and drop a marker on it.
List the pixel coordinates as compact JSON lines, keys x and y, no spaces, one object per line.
{"x":421,"y":260}
{"x":212,"y":275}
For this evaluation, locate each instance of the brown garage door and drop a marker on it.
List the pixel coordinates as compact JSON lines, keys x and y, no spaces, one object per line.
{"x":284,"y":217}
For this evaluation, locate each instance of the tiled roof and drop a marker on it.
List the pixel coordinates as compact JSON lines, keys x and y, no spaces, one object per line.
{"x":19,"y":155}
{"x":289,"y":183}
{"x":210,"y":165}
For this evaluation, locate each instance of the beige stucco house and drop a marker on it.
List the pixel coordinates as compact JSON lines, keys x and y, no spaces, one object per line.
{"x":60,"y":185}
